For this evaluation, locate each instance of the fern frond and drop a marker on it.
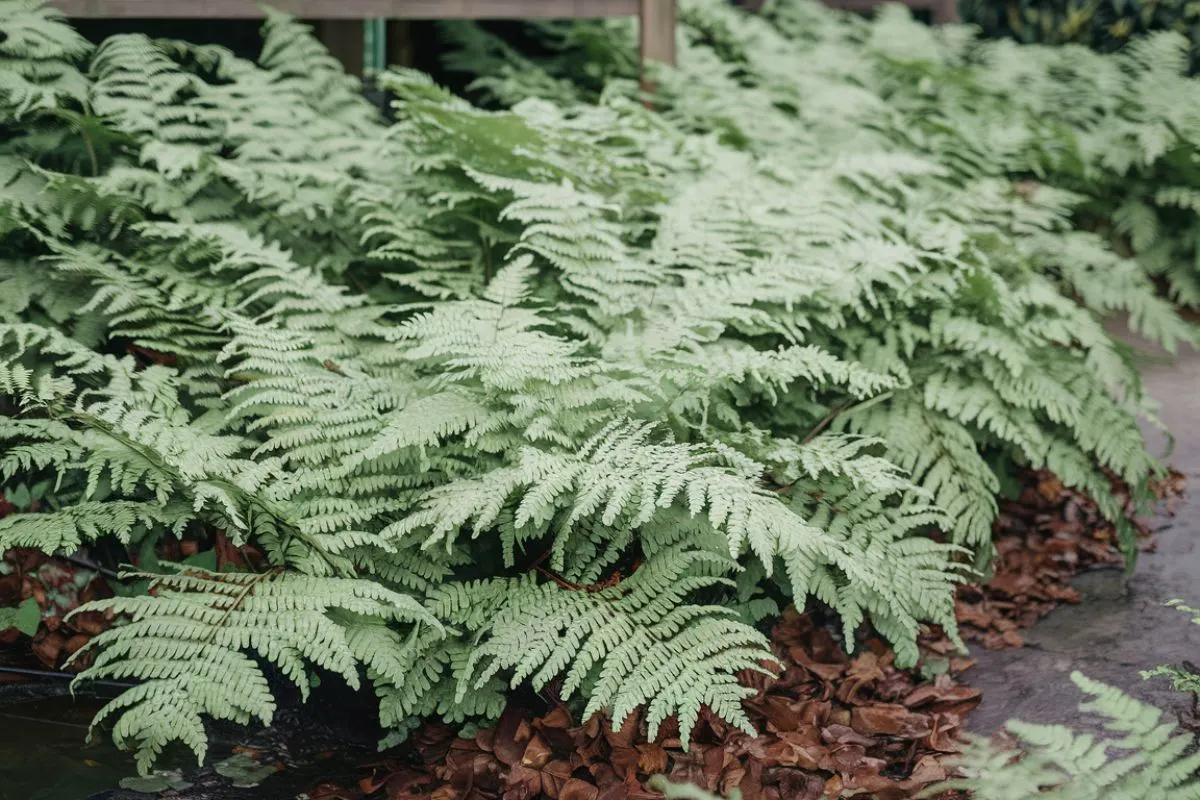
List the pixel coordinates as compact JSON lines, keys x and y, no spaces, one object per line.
{"x":189,"y":641}
{"x":1148,"y":757}
{"x":639,"y":642}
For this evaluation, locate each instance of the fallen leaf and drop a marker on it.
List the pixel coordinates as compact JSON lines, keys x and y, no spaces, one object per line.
{"x":575,"y":789}
{"x":652,"y":758}
{"x":888,"y":720}
{"x":511,"y":735}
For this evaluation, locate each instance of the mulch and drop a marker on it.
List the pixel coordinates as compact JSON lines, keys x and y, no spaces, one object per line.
{"x":58,"y":587}
{"x":829,"y":724}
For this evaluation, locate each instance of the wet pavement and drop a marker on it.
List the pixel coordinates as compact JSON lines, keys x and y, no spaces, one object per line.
{"x":1121,"y":627}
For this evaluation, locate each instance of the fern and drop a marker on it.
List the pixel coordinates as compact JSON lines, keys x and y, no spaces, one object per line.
{"x":994,"y":377}
{"x":637,"y":644}
{"x":35,"y":59}
{"x":686,"y":791}
{"x":1148,"y":758}
{"x":574,"y":389}
{"x":184,"y":640}
{"x":1184,"y":677}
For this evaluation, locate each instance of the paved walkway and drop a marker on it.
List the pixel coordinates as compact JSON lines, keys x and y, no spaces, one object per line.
{"x":1120,"y":628}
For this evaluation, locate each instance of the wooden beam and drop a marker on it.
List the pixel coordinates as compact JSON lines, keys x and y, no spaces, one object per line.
{"x":349,"y":9}
{"x":657,"y":31}
{"x":941,"y":11}
{"x":867,"y":6}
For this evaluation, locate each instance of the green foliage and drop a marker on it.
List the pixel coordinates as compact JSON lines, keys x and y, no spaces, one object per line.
{"x":1105,"y":26}
{"x":186,"y":645}
{"x":1108,"y":138}
{"x":35,"y":70}
{"x":576,"y":390}
{"x":25,"y":617}
{"x":685,"y":791}
{"x":1147,"y":757}
{"x":836,"y":131}
{"x":1184,"y":677}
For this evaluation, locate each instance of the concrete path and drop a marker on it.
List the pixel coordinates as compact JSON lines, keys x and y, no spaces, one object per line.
{"x":1120,"y":628}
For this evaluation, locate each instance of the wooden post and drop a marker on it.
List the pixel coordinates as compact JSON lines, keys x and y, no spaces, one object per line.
{"x":344,"y":40}
{"x":657,"y":32}
{"x":657,"y":19}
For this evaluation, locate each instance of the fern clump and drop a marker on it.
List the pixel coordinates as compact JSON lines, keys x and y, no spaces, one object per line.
{"x":1110,"y":135}
{"x":916,"y":261}
{"x":187,"y":645}
{"x":572,"y":393}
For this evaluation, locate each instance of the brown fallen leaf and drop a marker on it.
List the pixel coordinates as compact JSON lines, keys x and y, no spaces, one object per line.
{"x":889,"y":720}
{"x":942,"y":690}
{"x":652,"y":758}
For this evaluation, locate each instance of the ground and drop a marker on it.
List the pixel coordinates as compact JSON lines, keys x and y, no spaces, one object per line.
{"x":1120,"y":628}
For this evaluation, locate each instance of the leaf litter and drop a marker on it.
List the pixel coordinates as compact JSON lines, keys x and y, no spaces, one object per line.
{"x":1045,"y":536}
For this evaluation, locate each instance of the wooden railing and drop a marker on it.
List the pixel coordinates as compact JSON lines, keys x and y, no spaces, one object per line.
{"x":341,"y":20}
{"x":349,"y":9}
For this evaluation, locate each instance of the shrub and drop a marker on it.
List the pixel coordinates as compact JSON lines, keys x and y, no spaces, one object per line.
{"x":1104,"y":26}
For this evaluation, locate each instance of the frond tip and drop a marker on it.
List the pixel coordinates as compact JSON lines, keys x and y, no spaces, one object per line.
{"x":193,"y":637}
{"x":1148,"y":758}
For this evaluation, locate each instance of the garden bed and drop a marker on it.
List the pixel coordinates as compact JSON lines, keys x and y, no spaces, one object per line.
{"x":533,"y":417}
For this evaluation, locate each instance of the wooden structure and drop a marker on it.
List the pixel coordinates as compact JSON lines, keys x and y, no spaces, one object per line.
{"x":341,"y":21}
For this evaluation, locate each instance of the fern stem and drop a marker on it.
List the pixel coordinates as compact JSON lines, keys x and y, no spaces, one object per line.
{"x":824,"y":423}
{"x":48,"y":674}
{"x":241,"y":598}
{"x":844,"y":408}
{"x":86,"y":563}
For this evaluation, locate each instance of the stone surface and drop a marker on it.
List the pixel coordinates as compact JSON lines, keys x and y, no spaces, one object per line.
{"x":1121,"y":627}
